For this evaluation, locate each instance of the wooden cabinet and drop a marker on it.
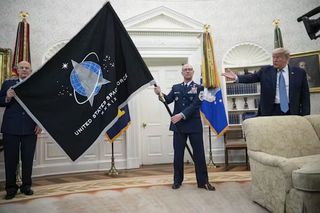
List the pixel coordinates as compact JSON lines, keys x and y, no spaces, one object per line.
{"x":234,"y":140}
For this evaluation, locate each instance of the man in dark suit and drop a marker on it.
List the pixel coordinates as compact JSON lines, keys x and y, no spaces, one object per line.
{"x":292,"y":98}
{"x":186,"y":123}
{"x":19,"y":134}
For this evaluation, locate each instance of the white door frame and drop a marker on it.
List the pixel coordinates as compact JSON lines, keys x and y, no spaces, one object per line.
{"x":160,"y":34}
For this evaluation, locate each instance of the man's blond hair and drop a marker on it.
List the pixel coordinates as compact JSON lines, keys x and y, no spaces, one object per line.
{"x":281,"y":50}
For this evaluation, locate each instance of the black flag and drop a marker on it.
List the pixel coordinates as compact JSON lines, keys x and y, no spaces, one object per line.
{"x":76,"y":95}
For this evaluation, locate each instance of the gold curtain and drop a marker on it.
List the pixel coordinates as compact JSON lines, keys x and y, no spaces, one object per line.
{"x":5,"y":64}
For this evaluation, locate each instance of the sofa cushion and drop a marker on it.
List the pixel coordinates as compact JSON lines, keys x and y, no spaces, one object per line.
{"x":285,"y":136}
{"x":307,"y":178}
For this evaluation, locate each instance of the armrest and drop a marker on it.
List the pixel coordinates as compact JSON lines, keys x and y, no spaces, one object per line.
{"x":286,"y":167}
{"x":267,"y":159}
{"x":275,"y":161}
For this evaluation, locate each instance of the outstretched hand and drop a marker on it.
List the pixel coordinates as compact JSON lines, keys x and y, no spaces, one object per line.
{"x":229,"y":74}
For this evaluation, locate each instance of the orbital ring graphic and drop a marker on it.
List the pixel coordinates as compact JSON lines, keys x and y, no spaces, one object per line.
{"x":86,"y":79}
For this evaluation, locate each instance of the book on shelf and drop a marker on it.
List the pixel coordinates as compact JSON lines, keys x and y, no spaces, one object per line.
{"x":236,"y":89}
{"x":234,"y":118}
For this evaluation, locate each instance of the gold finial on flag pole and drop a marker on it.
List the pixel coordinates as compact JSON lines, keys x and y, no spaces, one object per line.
{"x":277,"y":34}
{"x":207,"y":27}
{"x":276,"y":22}
{"x":24,"y":15}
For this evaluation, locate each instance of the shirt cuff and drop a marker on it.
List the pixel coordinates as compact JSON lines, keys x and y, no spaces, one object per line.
{"x":183,"y":116}
{"x":237,"y":79}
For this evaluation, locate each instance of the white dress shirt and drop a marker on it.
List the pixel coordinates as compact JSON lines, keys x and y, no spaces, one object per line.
{"x":286,"y":79}
{"x":187,"y":83}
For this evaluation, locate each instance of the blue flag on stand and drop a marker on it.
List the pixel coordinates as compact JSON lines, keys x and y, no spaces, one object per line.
{"x":212,"y":108}
{"x":120,"y":126}
{"x":213,"y":111}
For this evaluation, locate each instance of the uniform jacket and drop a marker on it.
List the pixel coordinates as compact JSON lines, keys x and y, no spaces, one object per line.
{"x":299,"y":97}
{"x":186,"y":100}
{"x":15,"y":120}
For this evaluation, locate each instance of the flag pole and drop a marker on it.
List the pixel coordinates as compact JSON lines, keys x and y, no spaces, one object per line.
{"x":209,"y":84}
{"x":112,"y":171}
{"x":161,"y":98}
{"x":21,"y":53}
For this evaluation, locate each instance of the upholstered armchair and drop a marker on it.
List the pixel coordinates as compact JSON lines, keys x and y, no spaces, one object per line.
{"x":284,"y":155}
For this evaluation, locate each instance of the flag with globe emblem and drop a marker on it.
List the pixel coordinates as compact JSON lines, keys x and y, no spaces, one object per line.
{"x":76,"y":95}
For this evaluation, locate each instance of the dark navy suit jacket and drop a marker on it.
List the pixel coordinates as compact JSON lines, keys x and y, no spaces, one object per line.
{"x":186,"y":100}
{"x":299,"y":97}
{"x":15,"y":120}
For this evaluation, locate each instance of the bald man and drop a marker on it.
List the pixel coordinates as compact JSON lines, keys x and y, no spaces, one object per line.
{"x":19,"y":135}
{"x":186,"y":123}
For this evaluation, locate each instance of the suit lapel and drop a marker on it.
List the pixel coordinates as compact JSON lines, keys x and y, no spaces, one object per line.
{"x":190,"y":85}
{"x":291,"y":74}
{"x":274,"y":80}
{"x":183,"y":88}
{"x":187,"y":89}
{"x":14,"y":82}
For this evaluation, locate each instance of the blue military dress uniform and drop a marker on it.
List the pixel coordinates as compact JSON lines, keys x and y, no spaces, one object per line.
{"x":186,"y":101}
{"x":18,"y":134}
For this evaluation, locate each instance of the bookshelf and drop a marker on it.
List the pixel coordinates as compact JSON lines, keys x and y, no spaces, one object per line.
{"x":242,"y":99}
{"x":242,"y":103}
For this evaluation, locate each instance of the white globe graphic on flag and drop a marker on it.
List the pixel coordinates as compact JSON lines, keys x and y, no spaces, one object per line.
{"x":76,"y":83}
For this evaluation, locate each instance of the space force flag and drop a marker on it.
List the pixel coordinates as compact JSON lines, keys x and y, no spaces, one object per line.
{"x":76,"y":95}
{"x":212,"y":107}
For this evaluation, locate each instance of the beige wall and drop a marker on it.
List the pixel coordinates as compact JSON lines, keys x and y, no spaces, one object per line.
{"x":232,"y":22}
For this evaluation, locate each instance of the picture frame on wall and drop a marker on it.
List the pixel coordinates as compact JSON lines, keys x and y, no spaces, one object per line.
{"x":310,"y":62}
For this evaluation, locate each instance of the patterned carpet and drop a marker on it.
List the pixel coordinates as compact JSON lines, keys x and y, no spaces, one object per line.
{"x":120,"y":184}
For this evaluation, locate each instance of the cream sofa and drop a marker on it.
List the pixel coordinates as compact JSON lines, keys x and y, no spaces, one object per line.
{"x":284,"y":154}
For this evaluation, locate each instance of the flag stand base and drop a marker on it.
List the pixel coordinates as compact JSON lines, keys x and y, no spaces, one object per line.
{"x":211,"y":164}
{"x":112,"y":171}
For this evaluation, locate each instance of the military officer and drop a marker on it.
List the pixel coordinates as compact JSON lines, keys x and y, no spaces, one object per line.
{"x":186,"y":123}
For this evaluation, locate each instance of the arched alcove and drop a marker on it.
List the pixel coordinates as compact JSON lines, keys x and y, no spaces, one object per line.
{"x":246,"y":54}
